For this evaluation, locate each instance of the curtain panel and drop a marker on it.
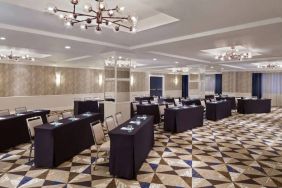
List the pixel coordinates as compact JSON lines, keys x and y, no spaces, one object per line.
{"x":185,"y":81}
{"x":218,"y":83}
{"x":272,"y":87}
{"x":257,"y":85}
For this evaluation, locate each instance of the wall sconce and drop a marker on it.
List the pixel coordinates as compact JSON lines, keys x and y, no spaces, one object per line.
{"x":176,"y":80}
{"x":100,"y":79}
{"x":131,"y":80}
{"x":58,"y":79}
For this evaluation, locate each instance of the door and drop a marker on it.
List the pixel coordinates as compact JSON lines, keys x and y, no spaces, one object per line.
{"x":156,"y":86}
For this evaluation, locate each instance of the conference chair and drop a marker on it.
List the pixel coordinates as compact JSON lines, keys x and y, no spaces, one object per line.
{"x":5,"y":112}
{"x":118,"y":118}
{"x":20,"y":110}
{"x":52,"y":118}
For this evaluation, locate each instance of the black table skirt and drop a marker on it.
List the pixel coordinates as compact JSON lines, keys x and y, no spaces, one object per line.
{"x":81,"y":107}
{"x":129,"y":150}
{"x":183,"y":119}
{"x":55,"y":145}
{"x":231,"y":99}
{"x":218,"y":110}
{"x":149,"y":109}
{"x":251,"y":106}
{"x":14,"y":131}
{"x":188,"y":102}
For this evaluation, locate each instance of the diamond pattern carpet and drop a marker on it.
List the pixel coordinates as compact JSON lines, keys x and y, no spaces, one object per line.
{"x":239,"y":151}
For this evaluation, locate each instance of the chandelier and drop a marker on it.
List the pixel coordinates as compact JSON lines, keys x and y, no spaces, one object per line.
{"x":11,"y":56}
{"x":180,"y":70}
{"x":96,"y":17}
{"x":269,"y":66}
{"x":120,"y":62}
{"x":233,"y":54}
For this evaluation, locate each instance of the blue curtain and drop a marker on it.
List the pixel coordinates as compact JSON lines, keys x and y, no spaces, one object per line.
{"x":185,"y":80}
{"x":218,"y":84}
{"x":257,"y":85}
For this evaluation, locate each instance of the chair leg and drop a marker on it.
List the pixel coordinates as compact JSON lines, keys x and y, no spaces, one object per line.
{"x":30,"y":151}
{"x":97,"y":157}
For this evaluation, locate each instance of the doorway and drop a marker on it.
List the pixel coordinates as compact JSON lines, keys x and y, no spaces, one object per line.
{"x":156,"y":86}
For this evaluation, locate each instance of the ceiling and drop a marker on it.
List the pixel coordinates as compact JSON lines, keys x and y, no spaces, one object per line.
{"x":169,"y":31}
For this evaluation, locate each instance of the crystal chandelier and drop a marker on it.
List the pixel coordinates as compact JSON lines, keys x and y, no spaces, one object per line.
{"x":96,"y":17}
{"x":233,"y":55}
{"x":11,"y":56}
{"x":180,"y":70}
{"x":269,"y":66}
{"x":120,"y":62}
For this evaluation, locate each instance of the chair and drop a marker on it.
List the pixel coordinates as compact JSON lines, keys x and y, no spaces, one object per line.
{"x":5,"y":112}
{"x":20,"y":110}
{"x":110,"y":123}
{"x":31,"y":124}
{"x":67,"y":114}
{"x":203,"y":103}
{"x":118,"y":117}
{"x":144,"y":102}
{"x":162,"y":110}
{"x":134,"y":106}
{"x":99,"y":140}
{"x":177,"y":101}
{"x":171,"y":105}
{"x":52,"y":118}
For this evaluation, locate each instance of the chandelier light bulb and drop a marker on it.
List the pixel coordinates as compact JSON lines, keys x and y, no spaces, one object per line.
{"x":133,"y":29}
{"x":52,"y":9}
{"x":68,"y":24}
{"x":121,"y":9}
{"x":75,"y":2}
{"x":250,"y":55}
{"x":110,"y":12}
{"x":71,"y":16}
{"x":101,"y":6}
{"x":116,"y":28}
{"x":61,"y":16}
{"x":98,"y":28}
{"x":83,"y":27}
{"x":88,"y":7}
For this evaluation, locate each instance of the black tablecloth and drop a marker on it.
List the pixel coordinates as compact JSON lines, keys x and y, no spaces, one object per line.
{"x":180,"y":119}
{"x":13,"y":129}
{"x":208,"y":97}
{"x":218,"y":110}
{"x":188,"y":102}
{"x":130,"y":149}
{"x":231,"y":99}
{"x":149,"y":109}
{"x":55,"y":145}
{"x":81,"y":107}
{"x":250,"y":106}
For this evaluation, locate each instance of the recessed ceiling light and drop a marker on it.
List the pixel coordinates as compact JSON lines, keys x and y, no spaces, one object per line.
{"x":120,"y":57}
{"x":67,"y":47}
{"x":2,"y":38}
{"x":211,"y":67}
{"x":176,"y":62}
{"x":155,"y":59}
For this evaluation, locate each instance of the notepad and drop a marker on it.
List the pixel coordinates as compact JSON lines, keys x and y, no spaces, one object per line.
{"x":19,"y":114}
{"x":127,"y":129}
{"x":73,"y":119}
{"x":56,"y":124}
{"x":36,"y":110}
{"x":1,"y":118}
{"x":87,"y":115}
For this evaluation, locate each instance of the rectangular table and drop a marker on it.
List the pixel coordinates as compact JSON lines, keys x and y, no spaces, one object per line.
{"x":149,"y":109}
{"x":252,"y":106}
{"x":180,"y":119}
{"x":13,"y":128}
{"x":130,"y":149}
{"x":81,"y":107}
{"x":188,"y":102}
{"x":57,"y":144}
{"x":218,"y":110}
{"x":231,"y":99}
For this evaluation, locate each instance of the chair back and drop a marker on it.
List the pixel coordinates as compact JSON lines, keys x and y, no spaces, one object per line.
{"x":162,"y":109}
{"x":97,"y":132}
{"x":203,"y":103}
{"x":5,"y":112}
{"x":110,"y":123}
{"x":176,"y":101}
{"x":145,"y":102}
{"x":170,"y":105}
{"x":119,"y":118}
{"x":20,"y":110}
{"x":67,"y":114}
{"x":52,"y":118}
{"x":134,"y":106}
{"x":87,"y":99}
{"x":33,"y":122}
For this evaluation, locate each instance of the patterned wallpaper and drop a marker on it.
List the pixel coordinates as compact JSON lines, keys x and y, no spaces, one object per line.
{"x":237,"y":82}
{"x":170,"y":82}
{"x":27,"y":80}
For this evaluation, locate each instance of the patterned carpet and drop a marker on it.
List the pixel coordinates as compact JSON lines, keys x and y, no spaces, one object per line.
{"x":240,"y":151}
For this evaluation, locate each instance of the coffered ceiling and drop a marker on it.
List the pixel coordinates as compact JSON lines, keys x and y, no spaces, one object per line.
{"x":169,"y":31}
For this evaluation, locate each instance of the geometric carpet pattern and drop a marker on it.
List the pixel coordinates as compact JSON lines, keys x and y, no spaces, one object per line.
{"x":239,"y":151}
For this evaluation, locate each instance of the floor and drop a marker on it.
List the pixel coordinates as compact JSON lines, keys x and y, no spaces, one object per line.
{"x":240,"y":151}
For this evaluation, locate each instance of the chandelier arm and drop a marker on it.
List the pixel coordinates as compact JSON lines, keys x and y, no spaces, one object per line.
{"x":116,"y":23}
{"x":120,"y":18}
{"x":78,"y":14}
{"x":84,"y":20}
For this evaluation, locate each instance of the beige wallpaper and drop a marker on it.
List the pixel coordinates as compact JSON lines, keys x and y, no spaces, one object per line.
{"x":140,"y":82}
{"x":27,"y":80}
{"x":237,"y":82}
{"x":173,"y":82}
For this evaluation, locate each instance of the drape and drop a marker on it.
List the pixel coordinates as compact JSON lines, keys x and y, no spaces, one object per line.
{"x":218,"y":84}
{"x":272,"y":87}
{"x":185,"y":81}
{"x":256,"y":85}
{"x":209,"y":83}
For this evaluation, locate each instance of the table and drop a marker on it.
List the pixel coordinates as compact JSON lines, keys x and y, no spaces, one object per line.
{"x":149,"y":109}
{"x":13,"y":128}
{"x":167,"y":100}
{"x":251,"y":106}
{"x":180,"y":119}
{"x":231,"y":99}
{"x":130,"y":149}
{"x":57,"y":144}
{"x":188,"y":102}
{"x":140,"y":99}
{"x":218,"y":110}
{"x":81,"y":107}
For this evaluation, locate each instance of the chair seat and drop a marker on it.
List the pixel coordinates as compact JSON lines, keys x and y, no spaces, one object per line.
{"x":105,"y":146}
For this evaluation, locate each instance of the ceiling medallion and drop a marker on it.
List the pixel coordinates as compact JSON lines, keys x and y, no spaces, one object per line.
{"x":233,"y":55}
{"x":270,"y":66}
{"x":120,"y":62}
{"x":13,"y":57}
{"x":96,"y":17}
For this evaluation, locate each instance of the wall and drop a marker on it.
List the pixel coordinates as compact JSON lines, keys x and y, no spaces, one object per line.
{"x":237,"y":83}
